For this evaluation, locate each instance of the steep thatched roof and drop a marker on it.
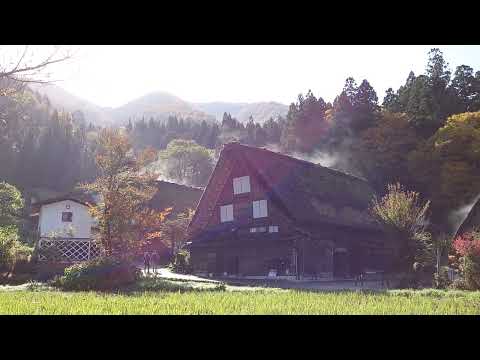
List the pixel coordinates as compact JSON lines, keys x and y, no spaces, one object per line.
{"x":311,"y":192}
{"x":472,"y":221}
{"x":179,"y":197}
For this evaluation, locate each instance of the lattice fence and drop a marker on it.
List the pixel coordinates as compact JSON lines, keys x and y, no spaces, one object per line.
{"x":67,"y":250}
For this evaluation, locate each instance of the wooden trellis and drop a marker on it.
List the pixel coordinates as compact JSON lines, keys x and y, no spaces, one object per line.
{"x":67,"y":250}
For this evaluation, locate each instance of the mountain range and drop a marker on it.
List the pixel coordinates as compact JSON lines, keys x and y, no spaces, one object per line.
{"x":159,"y":105}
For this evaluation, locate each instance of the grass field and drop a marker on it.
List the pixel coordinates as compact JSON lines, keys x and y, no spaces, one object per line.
{"x":241,"y":302}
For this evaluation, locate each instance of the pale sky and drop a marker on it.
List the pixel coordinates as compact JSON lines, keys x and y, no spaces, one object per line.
{"x":113,"y":75}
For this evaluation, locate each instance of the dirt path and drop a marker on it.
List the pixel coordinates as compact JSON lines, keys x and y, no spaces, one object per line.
{"x":269,"y":283}
{"x":168,"y":274}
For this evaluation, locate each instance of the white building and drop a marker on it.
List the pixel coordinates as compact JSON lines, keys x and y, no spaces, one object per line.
{"x":65,"y":228}
{"x":67,"y":219}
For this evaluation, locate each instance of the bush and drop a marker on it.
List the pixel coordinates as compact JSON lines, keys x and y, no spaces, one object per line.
{"x":458,"y":284}
{"x":181,"y":262}
{"x":46,"y":271}
{"x":11,"y":249}
{"x":105,"y":273}
{"x":471,"y":271}
{"x":441,"y":280}
{"x":406,"y":281}
{"x":51,"y":254}
{"x":25,"y":265}
{"x":467,"y":247}
{"x":403,"y":215}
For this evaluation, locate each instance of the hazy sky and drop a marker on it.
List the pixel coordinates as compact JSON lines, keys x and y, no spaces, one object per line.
{"x":114,"y":75}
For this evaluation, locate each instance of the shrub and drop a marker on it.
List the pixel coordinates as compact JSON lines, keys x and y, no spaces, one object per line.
{"x":458,"y":284}
{"x":440,"y":279}
{"x":471,"y":271}
{"x":181,"y":262}
{"x":105,"y":273}
{"x":11,"y":249}
{"x":25,"y":265}
{"x":467,"y":247}
{"x":52,"y":254}
{"x":404,"y":216}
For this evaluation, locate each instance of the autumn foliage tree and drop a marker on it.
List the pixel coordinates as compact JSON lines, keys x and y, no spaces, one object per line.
{"x":467,"y":248}
{"x":404,"y":216}
{"x":174,"y":231}
{"x":123,"y":218}
{"x":383,"y":150}
{"x":187,"y":162}
{"x":447,"y":167}
{"x":11,"y":248}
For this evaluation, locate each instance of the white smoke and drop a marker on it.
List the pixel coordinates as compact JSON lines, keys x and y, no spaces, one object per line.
{"x":320,"y":158}
{"x":457,"y":217}
{"x":273,"y":147}
{"x":337,"y":161}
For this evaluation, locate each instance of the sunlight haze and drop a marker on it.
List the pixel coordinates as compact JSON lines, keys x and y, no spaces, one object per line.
{"x":114,"y":75}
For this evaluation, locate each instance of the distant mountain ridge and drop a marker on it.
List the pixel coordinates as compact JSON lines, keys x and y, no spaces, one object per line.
{"x":159,"y":105}
{"x":260,"y":111}
{"x":63,"y":100}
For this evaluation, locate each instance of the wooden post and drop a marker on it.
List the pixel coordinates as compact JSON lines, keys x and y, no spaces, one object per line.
{"x":303,"y":257}
{"x":297,"y":275}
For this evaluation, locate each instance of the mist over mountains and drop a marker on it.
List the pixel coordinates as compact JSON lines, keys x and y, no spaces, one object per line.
{"x":159,"y":105}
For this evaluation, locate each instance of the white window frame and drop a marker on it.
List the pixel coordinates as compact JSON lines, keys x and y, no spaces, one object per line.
{"x":260,"y":209}
{"x":258,"y":229}
{"x":241,"y":185}
{"x":273,"y":228}
{"x":226,"y":213}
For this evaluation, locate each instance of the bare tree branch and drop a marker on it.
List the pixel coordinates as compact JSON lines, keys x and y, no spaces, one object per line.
{"x":21,"y":58}
{"x":24,"y":73}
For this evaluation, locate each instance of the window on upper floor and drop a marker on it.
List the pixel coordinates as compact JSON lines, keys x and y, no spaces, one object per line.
{"x":241,"y":185}
{"x":226,"y":213}
{"x":67,"y":216}
{"x":260,"y":209}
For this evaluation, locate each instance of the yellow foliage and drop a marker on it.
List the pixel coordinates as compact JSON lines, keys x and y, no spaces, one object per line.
{"x":447,"y":166}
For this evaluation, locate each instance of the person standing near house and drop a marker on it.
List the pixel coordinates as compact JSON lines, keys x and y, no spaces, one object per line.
{"x":154,"y":260}
{"x":146,"y":261}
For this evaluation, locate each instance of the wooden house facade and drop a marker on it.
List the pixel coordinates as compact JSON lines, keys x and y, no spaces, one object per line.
{"x":265,"y":212}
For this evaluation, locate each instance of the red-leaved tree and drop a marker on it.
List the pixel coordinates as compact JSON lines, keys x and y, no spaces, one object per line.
{"x":467,"y":248}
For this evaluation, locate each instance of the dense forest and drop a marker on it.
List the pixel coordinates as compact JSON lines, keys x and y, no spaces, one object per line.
{"x":425,"y":134}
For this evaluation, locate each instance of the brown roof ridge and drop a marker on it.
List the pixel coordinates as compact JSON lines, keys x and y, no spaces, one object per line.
{"x":301,"y":161}
{"x":212,"y":175}
{"x":182,"y":185}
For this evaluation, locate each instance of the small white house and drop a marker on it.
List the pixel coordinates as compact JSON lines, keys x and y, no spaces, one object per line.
{"x":67,"y":219}
{"x":65,"y":225}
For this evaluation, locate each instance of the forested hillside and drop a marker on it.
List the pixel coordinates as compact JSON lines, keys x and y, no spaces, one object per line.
{"x":159,"y":105}
{"x":43,"y":147}
{"x":425,"y":134}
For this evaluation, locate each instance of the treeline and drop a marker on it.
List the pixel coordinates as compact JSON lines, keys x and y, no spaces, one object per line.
{"x":159,"y":133}
{"x":43,"y":147}
{"x":426,"y":134}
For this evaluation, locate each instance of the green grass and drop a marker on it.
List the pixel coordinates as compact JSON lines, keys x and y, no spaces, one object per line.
{"x":214,"y":301}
